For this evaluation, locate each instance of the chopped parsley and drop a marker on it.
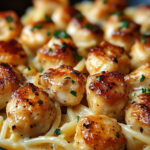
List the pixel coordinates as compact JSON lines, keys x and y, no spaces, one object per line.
{"x":40,"y":102}
{"x":78,"y":117}
{"x":67,"y":78}
{"x":142,"y":78}
{"x":91,"y":27}
{"x":86,"y":125}
{"x":79,"y":16}
{"x":3,"y":64}
{"x":104,"y":1}
{"x":117,"y":135}
{"x":9,"y":19}
{"x":125,"y":24}
{"x":118,"y":13}
{"x":74,"y":93}
{"x":50,"y":50}
{"x":48,"y":33}
{"x":63,"y":45}
{"x":42,"y":70}
{"x":11,"y":28}
{"x":28,"y":68}
{"x":47,"y":18}
{"x":72,"y":81}
{"x":77,"y":56}
{"x":143,"y":40}
{"x":58,"y":132}
{"x":60,"y":34}
{"x":39,"y":26}
{"x":99,"y":78}
{"x":143,"y":90}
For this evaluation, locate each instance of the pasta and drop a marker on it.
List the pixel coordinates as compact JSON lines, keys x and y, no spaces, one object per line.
{"x":67,"y":78}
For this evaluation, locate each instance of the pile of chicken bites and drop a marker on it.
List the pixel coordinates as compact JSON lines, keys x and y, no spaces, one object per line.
{"x":96,"y":53}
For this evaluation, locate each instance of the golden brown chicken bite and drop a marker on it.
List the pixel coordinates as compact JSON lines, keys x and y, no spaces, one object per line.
{"x":12,"y":52}
{"x":107,"y":57}
{"x":140,"y":15}
{"x":63,"y":15}
{"x":121,"y":31}
{"x":84,"y":34}
{"x":60,"y":50}
{"x":107,"y":94}
{"x":99,"y":132}
{"x":30,"y":112}
{"x":64,"y":85}
{"x":10,"y":25}
{"x":10,"y":80}
{"x":101,"y":10}
{"x":48,"y":6}
{"x":138,"y":114}
{"x":137,"y":81}
{"x":35,"y":35}
{"x":140,"y":52}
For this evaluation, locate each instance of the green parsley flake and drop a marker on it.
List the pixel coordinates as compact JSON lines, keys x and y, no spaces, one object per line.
{"x":67,"y":78}
{"x":86,"y":125}
{"x":146,"y":34}
{"x":48,"y":33}
{"x":79,"y":58}
{"x":47,"y":18}
{"x":50,"y":50}
{"x":11,"y":28}
{"x":72,"y":81}
{"x":142,"y":78}
{"x":39,"y":26}
{"x":58,"y":132}
{"x":91,"y":27}
{"x":143,"y":90}
{"x":125,"y":24}
{"x":3,"y":64}
{"x":60,"y":34}
{"x":79,"y":16}
{"x":117,"y":13}
{"x":117,"y":135}
{"x":28,"y":68}
{"x":63,"y":45}
{"x":78,"y":117}
{"x":74,"y":93}
{"x":40,"y":102}
{"x":9,"y":19}
{"x":42,"y":70}
{"x":104,"y":1}
{"x":143,"y":40}
{"x":99,"y":78}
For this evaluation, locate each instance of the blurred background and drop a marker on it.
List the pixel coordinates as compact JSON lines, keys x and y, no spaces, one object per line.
{"x":21,"y":5}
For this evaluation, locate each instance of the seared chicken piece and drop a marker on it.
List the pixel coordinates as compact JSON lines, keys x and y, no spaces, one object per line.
{"x":138,"y":114}
{"x":121,"y":31}
{"x":64,"y":85}
{"x":63,"y":15}
{"x":107,"y":94}
{"x":99,"y":132}
{"x":10,"y":79}
{"x":60,"y":50}
{"x":10,"y":25}
{"x":30,"y":112}
{"x":140,"y":15}
{"x":12,"y":52}
{"x":100,"y":10}
{"x":84,"y":34}
{"x":140,"y":52}
{"x":107,"y":57}
{"x":137,"y":81}
{"x":36,"y":34}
